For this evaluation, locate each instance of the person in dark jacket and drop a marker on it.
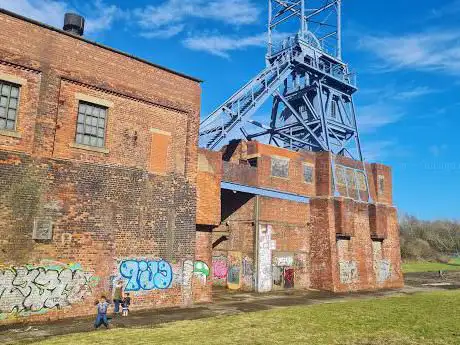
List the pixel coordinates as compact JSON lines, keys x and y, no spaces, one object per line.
{"x":117,"y":296}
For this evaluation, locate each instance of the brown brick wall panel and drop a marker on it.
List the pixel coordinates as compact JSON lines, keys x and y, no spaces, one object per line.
{"x":101,"y":216}
{"x":68,"y":58}
{"x":209,"y":178}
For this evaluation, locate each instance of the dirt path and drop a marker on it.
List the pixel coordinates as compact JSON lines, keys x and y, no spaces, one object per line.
{"x":225,"y":303}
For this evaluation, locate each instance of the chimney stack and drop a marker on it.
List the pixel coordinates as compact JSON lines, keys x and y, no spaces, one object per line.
{"x":74,"y":24}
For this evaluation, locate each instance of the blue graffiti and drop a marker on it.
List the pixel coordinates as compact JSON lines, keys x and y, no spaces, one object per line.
{"x":146,"y":275}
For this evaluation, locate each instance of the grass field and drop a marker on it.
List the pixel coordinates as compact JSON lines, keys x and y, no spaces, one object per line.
{"x":429,"y":318}
{"x":453,"y":265}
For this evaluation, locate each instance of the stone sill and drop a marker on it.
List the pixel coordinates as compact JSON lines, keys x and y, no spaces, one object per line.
{"x":12,"y":134}
{"x":90,"y":148}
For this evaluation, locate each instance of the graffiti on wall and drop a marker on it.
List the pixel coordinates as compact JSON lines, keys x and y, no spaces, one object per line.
{"x":348,"y":272}
{"x":283,"y":259}
{"x":234,"y":270}
{"x":288,"y":278}
{"x":219,"y":270}
{"x":201,"y":271}
{"x":158,"y":274}
{"x":146,"y":275}
{"x":383,"y":270}
{"x":264,"y":282}
{"x":248,"y":272}
{"x":37,"y":289}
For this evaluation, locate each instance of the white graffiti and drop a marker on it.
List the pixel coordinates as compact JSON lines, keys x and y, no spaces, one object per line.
{"x":383,"y":270}
{"x":348,"y":272}
{"x":34,"y":289}
{"x":264,"y":283}
{"x":283,"y":260}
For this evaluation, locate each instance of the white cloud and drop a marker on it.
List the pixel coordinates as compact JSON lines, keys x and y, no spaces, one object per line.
{"x":167,"y":17}
{"x":221,"y":45}
{"x":374,"y":151}
{"x":165,"y":33}
{"x":373,"y":116}
{"x":416,"y":92}
{"x":47,"y":11}
{"x":52,"y":12}
{"x":427,"y":51}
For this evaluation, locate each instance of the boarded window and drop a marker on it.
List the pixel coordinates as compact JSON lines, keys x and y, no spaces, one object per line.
{"x":340,"y":175}
{"x":159,"y":151}
{"x":43,"y":229}
{"x":280,"y":167}
{"x":308,"y":173}
{"x":91,"y":124}
{"x":9,"y":102}
{"x":381,"y":180}
{"x":361,"y":179}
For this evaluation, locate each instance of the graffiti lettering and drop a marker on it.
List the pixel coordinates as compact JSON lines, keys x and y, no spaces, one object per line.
{"x":201,"y":270}
{"x":348,"y":272}
{"x":38,"y":289}
{"x":146,"y":275}
{"x":219,"y":268}
{"x":383,"y":270}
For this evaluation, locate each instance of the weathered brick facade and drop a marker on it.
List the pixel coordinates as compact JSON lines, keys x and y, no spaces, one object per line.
{"x":147,"y":206}
{"x":336,"y":243}
{"x":124,"y":210}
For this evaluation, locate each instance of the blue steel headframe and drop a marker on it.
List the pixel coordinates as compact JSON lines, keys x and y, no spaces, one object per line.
{"x":309,"y":85}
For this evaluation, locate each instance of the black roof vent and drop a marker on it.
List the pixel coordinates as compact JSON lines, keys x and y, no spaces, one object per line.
{"x":74,"y":24}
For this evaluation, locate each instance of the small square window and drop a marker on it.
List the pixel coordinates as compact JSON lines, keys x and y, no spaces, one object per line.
{"x":280,"y":167}
{"x":340,"y":175}
{"x":308,"y":173}
{"x":91,"y":124}
{"x":9,"y":100}
{"x":381,"y":183}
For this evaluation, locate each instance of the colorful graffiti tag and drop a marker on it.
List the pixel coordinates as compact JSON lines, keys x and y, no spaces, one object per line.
{"x":201,"y":271}
{"x":219,"y":270}
{"x":234,"y":270}
{"x":146,"y":275}
{"x":36,"y":289}
{"x":158,"y":274}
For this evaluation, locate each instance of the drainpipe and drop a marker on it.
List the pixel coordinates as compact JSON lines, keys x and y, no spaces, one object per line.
{"x":256,"y":242}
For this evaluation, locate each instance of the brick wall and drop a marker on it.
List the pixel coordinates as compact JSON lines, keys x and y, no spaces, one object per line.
{"x":209,"y":178}
{"x":126,"y":210}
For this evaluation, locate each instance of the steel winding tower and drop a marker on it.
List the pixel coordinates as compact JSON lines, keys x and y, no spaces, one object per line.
{"x":309,"y":85}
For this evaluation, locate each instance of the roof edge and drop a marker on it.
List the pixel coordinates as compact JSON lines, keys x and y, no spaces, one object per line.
{"x":52,"y":28}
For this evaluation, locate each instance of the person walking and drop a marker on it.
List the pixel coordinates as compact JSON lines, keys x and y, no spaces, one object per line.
{"x":118,"y":296}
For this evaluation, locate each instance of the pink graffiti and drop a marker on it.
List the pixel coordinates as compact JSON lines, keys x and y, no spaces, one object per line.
{"x":219,"y":269}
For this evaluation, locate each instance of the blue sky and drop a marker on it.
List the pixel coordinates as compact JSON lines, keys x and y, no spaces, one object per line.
{"x":406,"y":54}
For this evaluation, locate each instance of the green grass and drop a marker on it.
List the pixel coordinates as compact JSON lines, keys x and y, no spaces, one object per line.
{"x":428,"y":318}
{"x":409,"y":267}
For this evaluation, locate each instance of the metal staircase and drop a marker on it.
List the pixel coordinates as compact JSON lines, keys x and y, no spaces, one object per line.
{"x":309,"y":85}
{"x":243,"y":103}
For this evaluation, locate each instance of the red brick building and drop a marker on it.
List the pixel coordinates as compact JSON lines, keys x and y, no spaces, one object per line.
{"x":102,"y":180}
{"x":307,"y":237}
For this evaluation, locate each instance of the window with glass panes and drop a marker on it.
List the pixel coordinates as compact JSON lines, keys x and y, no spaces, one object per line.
{"x":9,"y":101}
{"x":91,"y":124}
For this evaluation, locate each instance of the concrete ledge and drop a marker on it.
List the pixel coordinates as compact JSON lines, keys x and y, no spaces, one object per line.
{"x":12,"y":79}
{"x":12,"y":134}
{"x":159,"y":131}
{"x":89,"y":148}
{"x":95,"y":100}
